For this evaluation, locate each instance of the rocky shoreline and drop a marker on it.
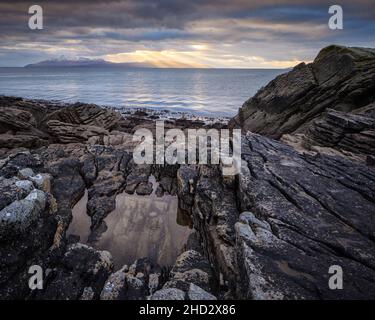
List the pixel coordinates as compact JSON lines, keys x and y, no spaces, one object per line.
{"x":299,"y":206}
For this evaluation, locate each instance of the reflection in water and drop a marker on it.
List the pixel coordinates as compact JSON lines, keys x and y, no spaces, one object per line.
{"x":81,"y":222}
{"x":144,"y":226}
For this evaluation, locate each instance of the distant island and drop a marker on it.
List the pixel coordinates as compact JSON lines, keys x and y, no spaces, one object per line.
{"x":85,"y":62}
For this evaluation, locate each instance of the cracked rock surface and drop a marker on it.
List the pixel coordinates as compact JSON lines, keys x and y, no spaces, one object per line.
{"x":301,"y":215}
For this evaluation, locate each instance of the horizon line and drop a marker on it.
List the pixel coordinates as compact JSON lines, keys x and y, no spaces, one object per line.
{"x":126,"y":67}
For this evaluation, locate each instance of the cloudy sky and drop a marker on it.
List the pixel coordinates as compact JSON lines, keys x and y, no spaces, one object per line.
{"x":189,"y":33}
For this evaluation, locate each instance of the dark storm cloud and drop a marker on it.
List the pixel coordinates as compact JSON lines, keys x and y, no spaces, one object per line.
{"x":104,"y":27}
{"x":173,"y":13}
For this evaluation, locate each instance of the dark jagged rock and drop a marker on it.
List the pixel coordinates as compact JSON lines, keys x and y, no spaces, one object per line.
{"x":85,"y":115}
{"x":352,"y":132}
{"x":169,"y":294}
{"x":370,"y":160}
{"x":213,"y":205}
{"x":27,"y":230}
{"x":68,"y":133}
{"x":81,"y":267}
{"x":303,"y":215}
{"x":340,"y":78}
{"x":276,"y":232}
{"x":190,"y":277}
{"x":136,"y":282}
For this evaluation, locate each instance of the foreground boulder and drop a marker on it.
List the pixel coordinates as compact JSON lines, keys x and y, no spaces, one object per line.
{"x":20,"y":214}
{"x":27,"y":226}
{"x":133,"y":283}
{"x":304,"y":219}
{"x":80,"y":274}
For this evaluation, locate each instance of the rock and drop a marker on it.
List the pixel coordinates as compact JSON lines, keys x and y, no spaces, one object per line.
{"x":13,"y":189}
{"x":144,"y":266}
{"x":190,"y":267}
{"x":25,"y":185}
{"x":109,"y":182}
{"x":159,"y":191}
{"x":126,"y":285}
{"x":144,"y":189}
{"x":141,"y":113}
{"x":136,"y":289}
{"x":73,"y":238}
{"x":114,"y":288}
{"x":214,"y":213}
{"x":27,"y":228}
{"x":15,"y":119}
{"x":186,"y":177}
{"x":346,"y":132}
{"x":250,"y":219}
{"x":168,"y":184}
{"x":81,"y":267}
{"x":191,"y":260}
{"x":88,"y":294}
{"x":26,"y":173}
{"x":10,"y":166}
{"x":85,"y":115}
{"x":18,"y":128}
{"x":306,"y":214}
{"x":168,"y":294}
{"x":194,"y":242}
{"x":68,"y":133}
{"x":42,"y":181}
{"x":300,"y":214}
{"x":183,"y":280}
{"x":197,"y":293}
{"x":11,"y":141}
{"x":21,"y":214}
{"x":340,"y":78}
{"x":137,"y":175}
{"x":370,"y":160}
{"x":117,"y":139}
{"x":68,"y":186}
{"x":153,"y":282}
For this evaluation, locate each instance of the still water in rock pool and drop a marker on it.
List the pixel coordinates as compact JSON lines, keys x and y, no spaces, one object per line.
{"x":140,"y":226}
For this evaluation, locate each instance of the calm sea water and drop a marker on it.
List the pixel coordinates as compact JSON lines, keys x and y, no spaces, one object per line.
{"x":204,"y":91}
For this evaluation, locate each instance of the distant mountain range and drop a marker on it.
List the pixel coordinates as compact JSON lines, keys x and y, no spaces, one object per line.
{"x":84,"y":62}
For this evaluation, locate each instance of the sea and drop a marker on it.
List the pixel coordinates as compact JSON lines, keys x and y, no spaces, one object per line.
{"x":207,"y":92}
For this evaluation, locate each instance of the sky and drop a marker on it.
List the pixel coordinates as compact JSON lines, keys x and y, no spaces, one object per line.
{"x":174,"y":33}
